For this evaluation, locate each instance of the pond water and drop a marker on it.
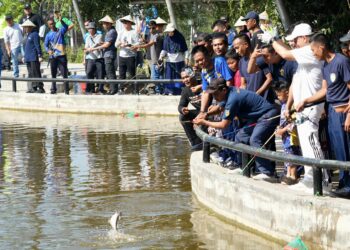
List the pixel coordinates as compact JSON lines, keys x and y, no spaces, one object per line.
{"x":62,"y":176}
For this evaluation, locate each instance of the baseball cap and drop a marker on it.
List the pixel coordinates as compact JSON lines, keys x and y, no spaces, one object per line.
{"x":302,"y":29}
{"x":215,"y":85}
{"x":8,"y":17}
{"x":169,"y":28}
{"x":27,"y":6}
{"x":251,"y":15}
{"x":345,"y":38}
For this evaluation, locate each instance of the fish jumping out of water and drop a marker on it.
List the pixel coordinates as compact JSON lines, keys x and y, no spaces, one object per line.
{"x":115,"y":219}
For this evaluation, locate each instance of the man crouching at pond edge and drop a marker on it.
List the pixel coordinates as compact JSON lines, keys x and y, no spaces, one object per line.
{"x":254,"y":113}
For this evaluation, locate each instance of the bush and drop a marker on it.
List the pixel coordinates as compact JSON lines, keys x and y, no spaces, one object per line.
{"x":75,"y":55}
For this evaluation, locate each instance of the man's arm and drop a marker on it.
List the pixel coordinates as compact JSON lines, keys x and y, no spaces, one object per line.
{"x":282,"y":50}
{"x":252,"y":67}
{"x":265,"y":85}
{"x":37,"y":46}
{"x":47,"y":43}
{"x":7,"y":43}
{"x":318,"y":96}
{"x":243,"y":83}
{"x":219,"y":125}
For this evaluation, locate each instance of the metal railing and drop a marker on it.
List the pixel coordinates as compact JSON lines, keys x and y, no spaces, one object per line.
{"x":246,"y":150}
{"x":134,"y":82}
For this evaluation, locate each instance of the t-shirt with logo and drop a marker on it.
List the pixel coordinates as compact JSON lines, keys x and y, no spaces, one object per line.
{"x":257,"y":79}
{"x":131,"y":38}
{"x":307,"y":81}
{"x":245,"y":104}
{"x":283,"y":70}
{"x":337,"y":75}
{"x":220,"y":70}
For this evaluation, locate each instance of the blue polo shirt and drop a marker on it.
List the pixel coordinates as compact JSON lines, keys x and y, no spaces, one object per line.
{"x":220,"y":70}
{"x":245,"y":104}
{"x":337,"y":75}
{"x":32,"y":49}
{"x":255,"y":80}
{"x":284,"y":70}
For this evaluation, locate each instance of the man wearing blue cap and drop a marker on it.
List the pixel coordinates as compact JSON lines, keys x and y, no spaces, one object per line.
{"x":252,"y":22}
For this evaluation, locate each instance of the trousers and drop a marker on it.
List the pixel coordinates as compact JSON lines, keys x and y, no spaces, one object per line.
{"x":61,"y":63}
{"x":34,"y":72}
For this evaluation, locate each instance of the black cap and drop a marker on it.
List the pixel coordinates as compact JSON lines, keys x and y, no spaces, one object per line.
{"x":251,"y":15}
{"x":27,"y":6}
{"x":215,"y":85}
{"x":8,"y":17}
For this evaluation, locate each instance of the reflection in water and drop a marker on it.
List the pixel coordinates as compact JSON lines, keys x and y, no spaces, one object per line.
{"x":63,"y":176}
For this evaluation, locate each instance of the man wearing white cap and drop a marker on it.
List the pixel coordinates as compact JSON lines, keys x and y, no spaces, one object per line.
{"x":109,"y":51}
{"x":306,"y":82}
{"x":33,"y":56}
{"x":154,"y":47}
{"x":127,"y":42}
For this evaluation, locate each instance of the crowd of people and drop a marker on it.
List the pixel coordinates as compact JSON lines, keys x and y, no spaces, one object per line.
{"x":259,"y":85}
{"x":245,"y":83}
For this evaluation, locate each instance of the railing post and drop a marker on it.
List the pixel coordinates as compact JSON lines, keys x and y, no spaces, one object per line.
{"x":14,"y":85}
{"x":206,"y":152}
{"x":317,"y":173}
{"x":245,"y":161}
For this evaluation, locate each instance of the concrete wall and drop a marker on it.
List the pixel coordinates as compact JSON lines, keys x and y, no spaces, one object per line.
{"x":97,"y":104}
{"x":272,"y":209}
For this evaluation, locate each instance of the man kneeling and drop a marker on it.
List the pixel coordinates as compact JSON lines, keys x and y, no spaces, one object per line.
{"x":254,"y":111}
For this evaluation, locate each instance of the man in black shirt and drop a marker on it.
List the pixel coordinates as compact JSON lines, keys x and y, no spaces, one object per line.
{"x":192,"y":95}
{"x":34,"y":18}
{"x":252,"y":22}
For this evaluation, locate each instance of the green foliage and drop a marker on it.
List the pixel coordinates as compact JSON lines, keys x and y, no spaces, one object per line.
{"x":75,"y":55}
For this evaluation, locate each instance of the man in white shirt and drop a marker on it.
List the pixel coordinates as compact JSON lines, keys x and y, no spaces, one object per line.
{"x":127,"y":41}
{"x":13,"y":37}
{"x":306,"y":82}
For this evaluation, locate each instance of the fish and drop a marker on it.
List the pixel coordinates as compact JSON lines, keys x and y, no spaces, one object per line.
{"x":115,"y":219}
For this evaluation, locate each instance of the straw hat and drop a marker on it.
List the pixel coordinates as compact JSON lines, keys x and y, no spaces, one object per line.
{"x":169,"y":28}
{"x":159,"y":21}
{"x":107,"y":19}
{"x":239,"y":22}
{"x":28,"y":23}
{"x":264,"y":16}
{"x":127,"y":18}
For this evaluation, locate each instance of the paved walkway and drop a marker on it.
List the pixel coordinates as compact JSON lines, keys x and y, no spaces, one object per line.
{"x":74,"y":68}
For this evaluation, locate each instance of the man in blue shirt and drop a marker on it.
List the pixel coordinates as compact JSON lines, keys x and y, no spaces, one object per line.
{"x":281,"y":69}
{"x":252,"y":108}
{"x":55,"y":45}
{"x":259,"y":82}
{"x":33,"y":56}
{"x":211,"y":69}
{"x":335,"y":88}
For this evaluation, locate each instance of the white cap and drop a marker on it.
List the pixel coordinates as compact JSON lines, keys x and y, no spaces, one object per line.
{"x":28,"y":23}
{"x":239,"y":22}
{"x":107,"y":19}
{"x":302,"y":29}
{"x":159,"y":21}
{"x":264,"y":16}
{"x":127,"y":18}
{"x":169,"y":28}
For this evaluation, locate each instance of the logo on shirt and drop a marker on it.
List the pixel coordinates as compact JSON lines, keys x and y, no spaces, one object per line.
{"x":227,"y":112}
{"x":333,"y":77}
{"x":282,"y":72}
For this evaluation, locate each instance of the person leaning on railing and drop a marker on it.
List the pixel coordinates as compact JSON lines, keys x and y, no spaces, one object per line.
{"x":190,"y":94}
{"x":253,"y":109}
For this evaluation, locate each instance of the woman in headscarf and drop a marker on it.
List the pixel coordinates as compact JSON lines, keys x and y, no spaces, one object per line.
{"x":174,"y":48}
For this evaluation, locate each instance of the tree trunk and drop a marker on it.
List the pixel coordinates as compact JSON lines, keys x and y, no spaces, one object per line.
{"x":80,"y":20}
{"x":283,"y":14}
{"x":171,"y":11}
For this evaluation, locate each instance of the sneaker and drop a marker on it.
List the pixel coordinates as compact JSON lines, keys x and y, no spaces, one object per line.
{"x":215,"y":158}
{"x":40,"y":91}
{"x":288,"y":181}
{"x":262,"y":177}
